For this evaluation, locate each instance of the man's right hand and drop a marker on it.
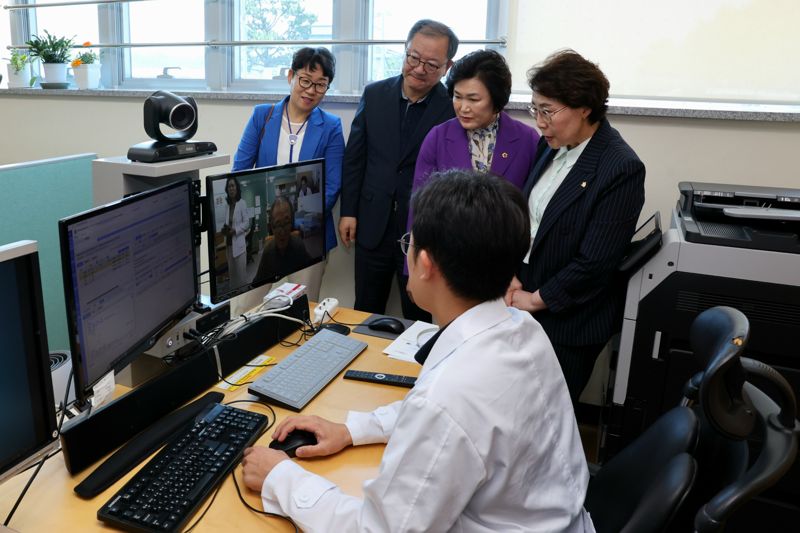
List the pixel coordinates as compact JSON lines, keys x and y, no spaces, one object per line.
{"x":347,"y":230}
{"x":331,"y":437}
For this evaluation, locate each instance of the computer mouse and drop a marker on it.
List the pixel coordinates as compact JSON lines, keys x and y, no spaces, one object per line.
{"x":387,"y":324}
{"x":294,"y":440}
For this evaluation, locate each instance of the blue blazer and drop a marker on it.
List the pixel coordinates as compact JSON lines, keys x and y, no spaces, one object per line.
{"x":323,"y":138}
{"x":584,"y":233}
{"x":377,"y":174}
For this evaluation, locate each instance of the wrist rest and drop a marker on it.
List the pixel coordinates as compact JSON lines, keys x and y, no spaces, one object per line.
{"x":142,"y":445}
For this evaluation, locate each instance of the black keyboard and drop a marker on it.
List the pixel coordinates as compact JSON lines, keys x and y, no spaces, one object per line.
{"x":165,"y":493}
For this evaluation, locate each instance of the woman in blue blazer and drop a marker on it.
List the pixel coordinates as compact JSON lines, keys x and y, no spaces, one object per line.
{"x":585,"y":193}
{"x":296,"y":129}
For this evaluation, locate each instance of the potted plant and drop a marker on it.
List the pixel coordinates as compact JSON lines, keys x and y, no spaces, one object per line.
{"x":86,"y":69}
{"x":54,"y":54}
{"x":19,"y":70}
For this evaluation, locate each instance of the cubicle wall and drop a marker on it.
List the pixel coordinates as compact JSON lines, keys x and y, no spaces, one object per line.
{"x":34,"y":195}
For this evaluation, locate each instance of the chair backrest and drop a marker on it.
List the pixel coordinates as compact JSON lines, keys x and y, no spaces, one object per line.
{"x":739,"y":402}
{"x":640,"y":489}
{"x":753,"y":391}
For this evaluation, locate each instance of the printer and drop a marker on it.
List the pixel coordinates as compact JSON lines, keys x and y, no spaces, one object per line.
{"x":726,"y":245}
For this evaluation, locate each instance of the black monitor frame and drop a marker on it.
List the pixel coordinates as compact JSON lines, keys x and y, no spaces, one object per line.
{"x":145,"y":341}
{"x":25,"y":256}
{"x":217,"y":294}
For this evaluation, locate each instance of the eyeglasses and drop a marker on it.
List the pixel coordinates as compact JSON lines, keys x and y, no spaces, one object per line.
{"x":405,"y":243}
{"x":320,"y":87}
{"x":546,"y":114}
{"x":415,"y":61}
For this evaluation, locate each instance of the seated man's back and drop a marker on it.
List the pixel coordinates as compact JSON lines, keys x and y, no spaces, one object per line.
{"x":492,"y":405}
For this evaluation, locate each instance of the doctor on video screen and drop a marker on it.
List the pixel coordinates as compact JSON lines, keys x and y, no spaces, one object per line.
{"x":237,"y":224}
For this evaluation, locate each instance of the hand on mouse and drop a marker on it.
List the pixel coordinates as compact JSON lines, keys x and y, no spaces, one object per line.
{"x":258,"y":462}
{"x":331,"y":437}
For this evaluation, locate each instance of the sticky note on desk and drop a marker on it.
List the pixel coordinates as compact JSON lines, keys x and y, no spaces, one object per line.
{"x":246,"y":373}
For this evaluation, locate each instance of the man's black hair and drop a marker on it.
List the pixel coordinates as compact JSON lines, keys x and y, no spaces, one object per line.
{"x":476,"y":228}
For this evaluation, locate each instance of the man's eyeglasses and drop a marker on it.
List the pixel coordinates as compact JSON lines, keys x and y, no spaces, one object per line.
{"x":546,"y":114}
{"x":405,"y":243}
{"x":415,"y":61}
{"x":320,"y":87}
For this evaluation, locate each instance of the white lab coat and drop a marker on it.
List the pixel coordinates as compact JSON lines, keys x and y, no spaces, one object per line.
{"x":486,"y":441}
{"x":241,"y":225}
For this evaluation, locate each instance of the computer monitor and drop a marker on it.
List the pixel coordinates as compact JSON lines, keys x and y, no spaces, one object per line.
{"x":129,"y":270}
{"x":28,"y":422}
{"x":264,"y":224}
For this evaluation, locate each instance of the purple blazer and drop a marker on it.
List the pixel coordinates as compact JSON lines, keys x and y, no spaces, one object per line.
{"x":446,"y":147}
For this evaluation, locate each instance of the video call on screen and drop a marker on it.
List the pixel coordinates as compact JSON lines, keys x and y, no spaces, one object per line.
{"x":273,"y":248}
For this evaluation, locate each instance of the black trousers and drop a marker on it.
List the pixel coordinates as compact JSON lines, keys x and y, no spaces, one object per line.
{"x":374,"y":270}
{"x":577,"y":363}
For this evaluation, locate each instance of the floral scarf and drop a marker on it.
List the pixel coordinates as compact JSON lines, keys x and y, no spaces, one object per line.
{"x":481,"y":145}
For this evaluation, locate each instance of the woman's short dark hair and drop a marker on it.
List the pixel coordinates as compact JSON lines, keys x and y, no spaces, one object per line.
{"x":488,"y":66}
{"x":476,"y":228}
{"x":238,"y":188}
{"x":571,"y":79}
{"x":314,"y":58}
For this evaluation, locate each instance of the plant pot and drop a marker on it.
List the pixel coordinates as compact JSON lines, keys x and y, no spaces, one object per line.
{"x":21,"y":79}
{"x":55,"y":72}
{"x":87,"y":76}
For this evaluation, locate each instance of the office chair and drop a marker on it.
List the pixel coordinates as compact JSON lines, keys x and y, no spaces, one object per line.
{"x":640,"y":489}
{"x":747,"y":412}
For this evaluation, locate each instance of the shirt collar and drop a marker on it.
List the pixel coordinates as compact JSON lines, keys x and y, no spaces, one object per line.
{"x":472,"y":322}
{"x":572,"y":154}
{"x":425,"y":349}
{"x":407,"y":99}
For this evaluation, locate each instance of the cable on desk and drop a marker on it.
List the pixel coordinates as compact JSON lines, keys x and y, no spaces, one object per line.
{"x":259,"y":511}
{"x":336,"y":321}
{"x":46,"y":457}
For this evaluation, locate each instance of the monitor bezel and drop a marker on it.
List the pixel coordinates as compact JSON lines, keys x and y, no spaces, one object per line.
{"x":215,"y":296}
{"x":29,"y":251}
{"x":84,"y":390}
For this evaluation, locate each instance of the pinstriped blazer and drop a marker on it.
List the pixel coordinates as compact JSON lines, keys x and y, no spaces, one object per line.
{"x":583,"y":235}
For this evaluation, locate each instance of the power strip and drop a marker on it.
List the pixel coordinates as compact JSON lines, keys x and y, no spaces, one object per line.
{"x":328,"y":305}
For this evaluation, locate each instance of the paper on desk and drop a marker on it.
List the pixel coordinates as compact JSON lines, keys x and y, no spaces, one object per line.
{"x":406,"y":345}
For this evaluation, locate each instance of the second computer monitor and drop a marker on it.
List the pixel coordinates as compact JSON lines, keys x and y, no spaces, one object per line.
{"x":129,"y":271}
{"x":265,"y":224}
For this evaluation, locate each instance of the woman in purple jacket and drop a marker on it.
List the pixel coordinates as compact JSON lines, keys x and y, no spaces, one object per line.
{"x":482,"y":136}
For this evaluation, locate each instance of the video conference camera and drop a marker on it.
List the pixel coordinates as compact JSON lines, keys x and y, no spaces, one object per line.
{"x":178,"y":113}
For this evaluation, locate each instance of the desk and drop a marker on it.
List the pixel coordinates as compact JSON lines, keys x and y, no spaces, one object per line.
{"x":51,"y":505}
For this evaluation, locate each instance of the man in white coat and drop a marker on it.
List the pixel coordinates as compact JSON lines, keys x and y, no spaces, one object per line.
{"x":487,"y":439}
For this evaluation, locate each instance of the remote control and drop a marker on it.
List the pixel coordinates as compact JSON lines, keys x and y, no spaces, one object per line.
{"x":379,"y":377}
